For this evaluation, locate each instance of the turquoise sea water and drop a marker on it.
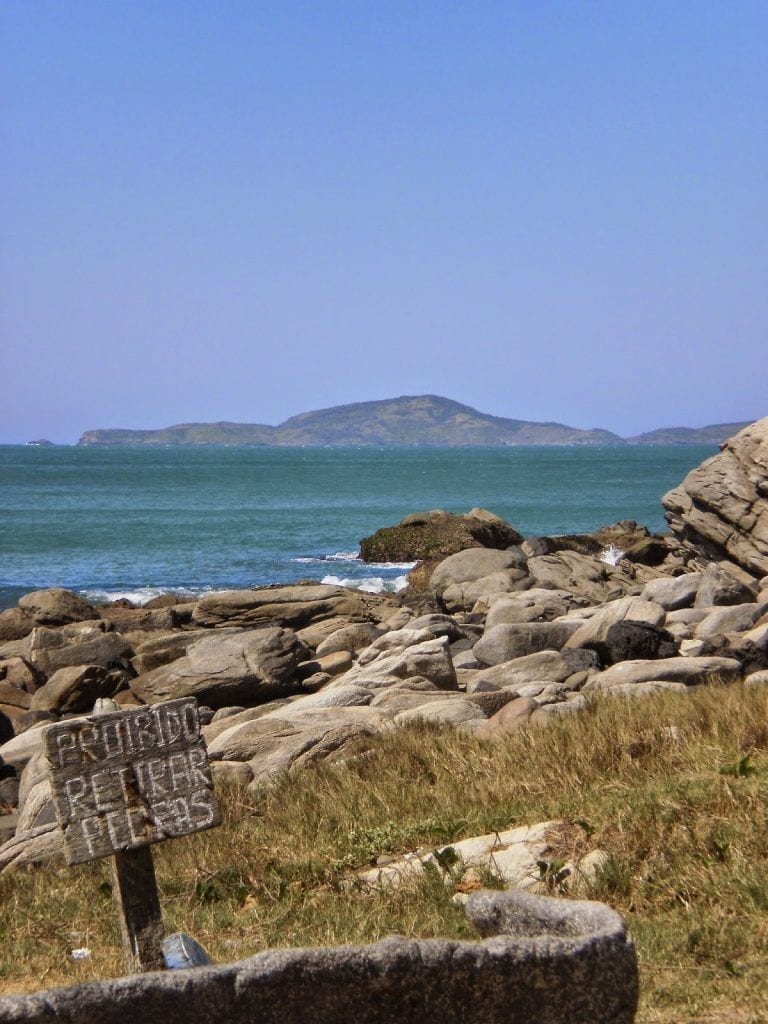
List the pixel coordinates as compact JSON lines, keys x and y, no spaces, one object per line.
{"x":135,"y":522}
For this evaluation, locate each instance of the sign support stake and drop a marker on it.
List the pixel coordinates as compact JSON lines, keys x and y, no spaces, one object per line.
{"x":137,"y":902}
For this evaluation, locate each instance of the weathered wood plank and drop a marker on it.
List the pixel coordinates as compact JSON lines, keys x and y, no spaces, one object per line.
{"x":134,"y":890}
{"x":129,"y":778}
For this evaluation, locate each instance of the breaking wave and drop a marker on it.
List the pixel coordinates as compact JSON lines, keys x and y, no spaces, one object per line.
{"x":138,"y":596}
{"x":370,"y":584}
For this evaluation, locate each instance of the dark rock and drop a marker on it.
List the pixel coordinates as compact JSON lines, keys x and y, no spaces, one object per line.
{"x":581,"y":659}
{"x":621,"y":535}
{"x":9,"y":791}
{"x":437,"y":534}
{"x":7,"y":730}
{"x":630,"y":641}
{"x":647,"y":551}
{"x":751,"y":656}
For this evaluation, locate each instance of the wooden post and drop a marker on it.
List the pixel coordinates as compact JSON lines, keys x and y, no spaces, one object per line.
{"x":134,"y":890}
{"x":124,"y":780}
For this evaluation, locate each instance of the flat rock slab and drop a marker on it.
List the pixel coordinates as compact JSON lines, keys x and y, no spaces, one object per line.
{"x":691,"y":671}
{"x":297,"y":606}
{"x":512,"y":855}
{"x":544,"y":666}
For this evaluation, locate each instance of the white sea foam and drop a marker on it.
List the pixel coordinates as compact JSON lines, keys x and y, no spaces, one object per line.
{"x":611,"y":555}
{"x":337,"y":556}
{"x":370,"y":584}
{"x":141,"y":595}
{"x":351,"y":556}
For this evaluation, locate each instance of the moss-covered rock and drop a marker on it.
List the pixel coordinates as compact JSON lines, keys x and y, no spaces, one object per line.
{"x":437,"y":534}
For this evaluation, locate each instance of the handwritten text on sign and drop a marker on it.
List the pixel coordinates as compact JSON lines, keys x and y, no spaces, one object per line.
{"x":129,"y":778}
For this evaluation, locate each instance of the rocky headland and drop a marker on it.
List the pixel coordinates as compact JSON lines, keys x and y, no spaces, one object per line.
{"x":495,"y":632}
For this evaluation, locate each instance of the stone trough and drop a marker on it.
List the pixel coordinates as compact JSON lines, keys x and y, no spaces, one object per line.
{"x":540,"y":961}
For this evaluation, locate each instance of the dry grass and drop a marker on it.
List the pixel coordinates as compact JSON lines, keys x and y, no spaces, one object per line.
{"x":675,"y":789}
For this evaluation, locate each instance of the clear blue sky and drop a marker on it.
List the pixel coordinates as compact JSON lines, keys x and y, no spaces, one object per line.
{"x":244,"y":210}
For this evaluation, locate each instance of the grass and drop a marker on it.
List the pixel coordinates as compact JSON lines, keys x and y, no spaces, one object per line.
{"x":674,"y":789}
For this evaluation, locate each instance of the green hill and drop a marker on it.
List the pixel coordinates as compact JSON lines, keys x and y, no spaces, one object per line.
{"x":409,"y":420}
{"x":715,"y":433}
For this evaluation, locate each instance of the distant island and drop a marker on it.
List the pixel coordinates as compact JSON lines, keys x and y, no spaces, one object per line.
{"x":408,"y":420}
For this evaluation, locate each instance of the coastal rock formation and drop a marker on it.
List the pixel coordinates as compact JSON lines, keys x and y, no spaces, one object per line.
{"x":437,"y":534}
{"x":295,"y":606}
{"x":526,"y":632}
{"x":720,"y":510}
{"x":251,"y":666}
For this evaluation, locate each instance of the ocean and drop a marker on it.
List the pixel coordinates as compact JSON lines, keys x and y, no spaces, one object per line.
{"x":135,"y":523}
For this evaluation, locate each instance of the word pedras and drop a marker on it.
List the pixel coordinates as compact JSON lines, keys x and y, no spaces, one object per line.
{"x":129,"y":778}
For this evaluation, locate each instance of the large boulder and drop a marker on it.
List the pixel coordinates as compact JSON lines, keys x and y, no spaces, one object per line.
{"x":15,"y":624}
{"x":472,"y":564}
{"x":87,"y":643}
{"x":720,"y":510}
{"x":436,"y":534}
{"x":691,"y":671}
{"x":586,"y":576}
{"x":673,"y":593}
{"x":77,"y":687}
{"x":533,"y":605}
{"x":163,"y":649}
{"x":514,"y":640}
{"x":249,"y":667}
{"x":626,"y":609}
{"x":426,"y":659}
{"x":273,"y":746}
{"x":723,"y":586}
{"x":56,"y":607}
{"x":542,"y":667}
{"x":294,"y":606}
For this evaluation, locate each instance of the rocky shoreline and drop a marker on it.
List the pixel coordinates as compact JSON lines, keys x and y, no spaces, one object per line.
{"x":495,"y":632}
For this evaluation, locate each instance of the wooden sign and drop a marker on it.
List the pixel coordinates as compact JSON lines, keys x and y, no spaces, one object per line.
{"x":130,"y":778}
{"x":121,"y":781}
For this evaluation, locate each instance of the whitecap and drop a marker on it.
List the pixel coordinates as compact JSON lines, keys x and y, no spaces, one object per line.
{"x":370,"y":584}
{"x":139,"y":596}
{"x":336,"y":556}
